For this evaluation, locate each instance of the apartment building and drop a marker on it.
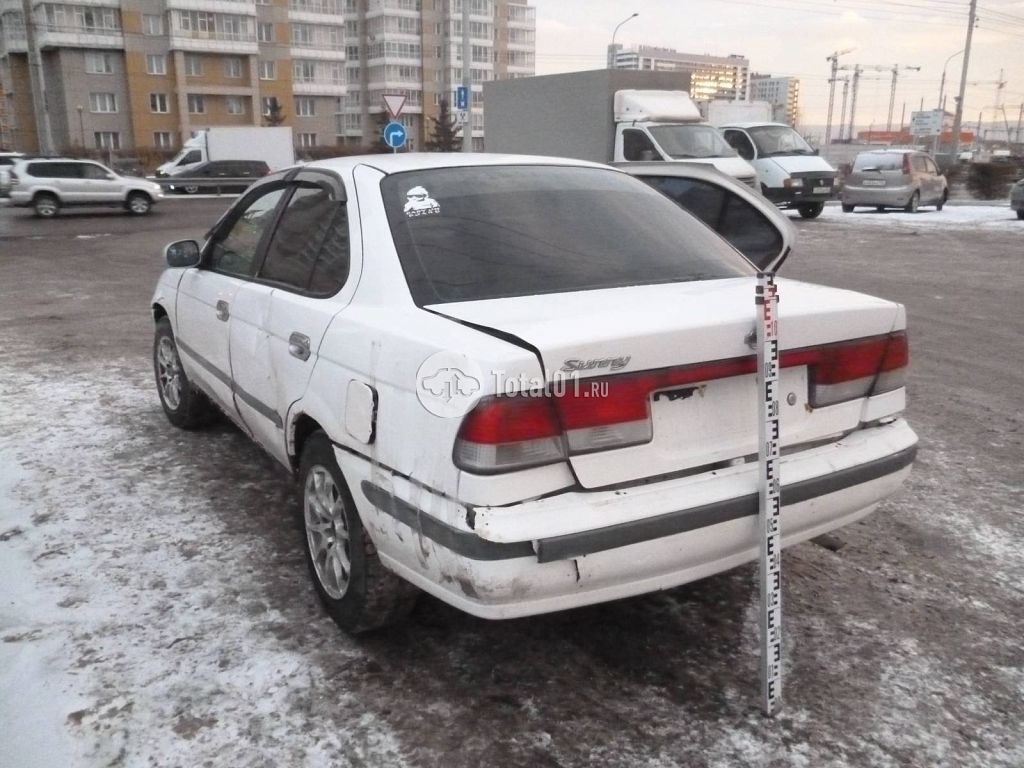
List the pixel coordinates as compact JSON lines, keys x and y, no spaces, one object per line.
{"x":125,"y":74}
{"x":783,"y":93}
{"x":711,"y":77}
{"x":414,"y":48}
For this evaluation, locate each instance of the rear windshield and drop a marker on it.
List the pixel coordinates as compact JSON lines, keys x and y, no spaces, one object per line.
{"x":471,"y":233}
{"x":883,"y":161}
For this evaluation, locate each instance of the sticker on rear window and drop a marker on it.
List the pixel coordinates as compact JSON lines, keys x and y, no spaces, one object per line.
{"x":420,"y":203}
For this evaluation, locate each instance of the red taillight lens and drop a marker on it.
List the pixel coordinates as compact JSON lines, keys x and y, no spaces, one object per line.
{"x":854,"y":369}
{"x":505,"y":433}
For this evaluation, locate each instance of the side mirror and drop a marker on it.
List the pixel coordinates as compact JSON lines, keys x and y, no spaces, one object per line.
{"x":111,"y":177}
{"x":183,"y":253}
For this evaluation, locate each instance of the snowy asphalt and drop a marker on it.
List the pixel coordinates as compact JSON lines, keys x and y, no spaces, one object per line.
{"x":155,"y":608}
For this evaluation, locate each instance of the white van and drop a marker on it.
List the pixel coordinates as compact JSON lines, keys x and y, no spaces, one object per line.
{"x":791,"y":173}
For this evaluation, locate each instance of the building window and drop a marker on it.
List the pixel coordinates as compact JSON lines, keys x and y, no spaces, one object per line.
{"x":107,"y":139}
{"x":102,"y":102}
{"x":268,"y":70}
{"x":265,"y":32}
{"x":162,"y":139}
{"x":236,"y":105}
{"x":266,"y":103}
{"x":158,"y":103}
{"x":304,"y":71}
{"x":193,"y":65}
{"x":232,"y":67}
{"x":152,"y":24}
{"x":196,"y":104}
{"x":307,"y":139}
{"x":305,"y":106}
{"x":99,"y":63}
{"x":156,"y":64}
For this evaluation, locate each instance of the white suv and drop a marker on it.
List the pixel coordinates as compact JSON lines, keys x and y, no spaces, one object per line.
{"x":523,"y":384}
{"x":48,"y":185}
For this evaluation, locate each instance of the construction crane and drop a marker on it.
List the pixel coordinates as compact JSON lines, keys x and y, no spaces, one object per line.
{"x":855,"y":84}
{"x":834,"y":58}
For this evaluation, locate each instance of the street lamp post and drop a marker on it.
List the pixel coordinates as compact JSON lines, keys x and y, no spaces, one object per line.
{"x":942,"y":83}
{"x":612,"y":58}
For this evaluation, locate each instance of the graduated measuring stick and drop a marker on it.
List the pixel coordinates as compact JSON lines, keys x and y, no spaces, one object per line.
{"x":769,"y":492}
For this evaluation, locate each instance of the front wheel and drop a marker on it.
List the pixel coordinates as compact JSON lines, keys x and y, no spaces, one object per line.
{"x":46,"y":206}
{"x":1020,"y":214}
{"x":359,"y":593}
{"x":138,"y":203}
{"x":811,"y":210}
{"x":190,"y":189}
{"x":942,"y":202}
{"x":847,"y":208}
{"x":915,"y":202}
{"x":184,"y":405}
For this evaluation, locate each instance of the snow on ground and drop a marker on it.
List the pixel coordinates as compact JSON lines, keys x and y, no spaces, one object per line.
{"x":986,"y":217}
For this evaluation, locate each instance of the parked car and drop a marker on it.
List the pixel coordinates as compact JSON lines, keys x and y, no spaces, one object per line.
{"x":52,"y":184}
{"x":1017,"y":198}
{"x":894,"y":178}
{"x":520,"y":384}
{"x":210,"y":176}
{"x":7,"y":159}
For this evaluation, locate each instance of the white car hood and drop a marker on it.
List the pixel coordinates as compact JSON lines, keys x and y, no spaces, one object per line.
{"x":736,"y":167}
{"x":802,"y":163}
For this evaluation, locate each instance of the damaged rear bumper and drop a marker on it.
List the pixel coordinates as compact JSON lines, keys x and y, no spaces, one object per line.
{"x":582,"y":547}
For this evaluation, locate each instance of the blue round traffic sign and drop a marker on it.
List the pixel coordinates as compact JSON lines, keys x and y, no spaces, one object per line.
{"x":394,"y":135}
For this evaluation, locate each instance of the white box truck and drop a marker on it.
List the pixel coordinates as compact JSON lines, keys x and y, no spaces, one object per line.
{"x":271,"y":145}
{"x":606,"y":116}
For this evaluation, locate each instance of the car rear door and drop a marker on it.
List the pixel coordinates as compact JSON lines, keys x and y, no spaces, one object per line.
{"x":206,"y":294}
{"x":280,"y":318}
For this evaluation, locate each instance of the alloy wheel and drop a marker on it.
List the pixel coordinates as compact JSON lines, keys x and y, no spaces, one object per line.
{"x":169,"y":373}
{"x":327,"y":531}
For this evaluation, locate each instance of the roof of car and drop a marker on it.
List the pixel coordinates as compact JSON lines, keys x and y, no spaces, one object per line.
{"x":418,"y":161}
{"x":890,"y":151}
{"x":752,"y":124}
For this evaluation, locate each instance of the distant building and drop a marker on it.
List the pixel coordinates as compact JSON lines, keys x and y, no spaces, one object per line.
{"x":711,"y":77}
{"x":783,"y":93}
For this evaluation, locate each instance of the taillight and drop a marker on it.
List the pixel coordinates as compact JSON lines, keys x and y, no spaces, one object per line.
{"x":854,"y":369}
{"x":509,"y":432}
{"x":906,"y":164}
{"x":504,"y":433}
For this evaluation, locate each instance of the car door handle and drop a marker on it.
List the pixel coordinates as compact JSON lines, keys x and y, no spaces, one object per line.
{"x":298,"y":346}
{"x":222,"y":310}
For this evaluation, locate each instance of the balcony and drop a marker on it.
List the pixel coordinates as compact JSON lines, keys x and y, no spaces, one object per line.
{"x":71,"y":36}
{"x":315,"y":11}
{"x":213,"y":41}
{"x":317,"y":50}
{"x":236,"y":7}
{"x":318,"y":88}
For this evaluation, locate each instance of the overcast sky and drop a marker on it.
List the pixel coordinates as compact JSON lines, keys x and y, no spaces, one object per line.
{"x":793,"y":37}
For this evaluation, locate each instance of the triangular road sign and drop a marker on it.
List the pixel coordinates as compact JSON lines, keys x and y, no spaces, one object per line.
{"x":394,"y":102}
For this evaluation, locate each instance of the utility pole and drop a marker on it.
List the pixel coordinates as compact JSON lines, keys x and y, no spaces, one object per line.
{"x":842,"y":115}
{"x":853,"y":97}
{"x":959,"y":116}
{"x":37,"y":82}
{"x":1020,"y":120}
{"x":834,"y":58}
{"x":467,"y":79}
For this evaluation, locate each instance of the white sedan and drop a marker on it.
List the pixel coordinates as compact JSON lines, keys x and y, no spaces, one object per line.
{"x":523,"y":384}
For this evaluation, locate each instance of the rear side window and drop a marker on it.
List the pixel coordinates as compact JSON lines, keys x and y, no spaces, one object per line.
{"x":471,"y":233}
{"x":309,"y":250}
{"x":919,"y":163}
{"x":882,"y":161}
{"x":55,"y":170}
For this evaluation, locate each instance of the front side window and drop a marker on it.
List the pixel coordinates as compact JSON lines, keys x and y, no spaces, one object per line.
{"x":738,"y":140}
{"x":233,"y":249}
{"x":464,"y":234}
{"x":637,"y":146}
{"x":309,"y":251}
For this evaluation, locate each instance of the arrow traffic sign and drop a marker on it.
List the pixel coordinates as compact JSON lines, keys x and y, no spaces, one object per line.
{"x":394,"y":135}
{"x":394,"y":103}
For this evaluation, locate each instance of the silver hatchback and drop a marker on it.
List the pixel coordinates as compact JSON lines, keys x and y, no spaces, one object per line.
{"x":894,"y":178}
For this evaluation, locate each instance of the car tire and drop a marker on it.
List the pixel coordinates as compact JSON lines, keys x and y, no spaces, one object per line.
{"x":942,"y":202}
{"x":46,"y":205}
{"x":810,"y":210}
{"x":1020,"y":214}
{"x":880,"y":208}
{"x":915,"y":201}
{"x":189,"y":189}
{"x":358,"y":592}
{"x":848,"y":208}
{"x":138,"y":204}
{"x":184,"y":405}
